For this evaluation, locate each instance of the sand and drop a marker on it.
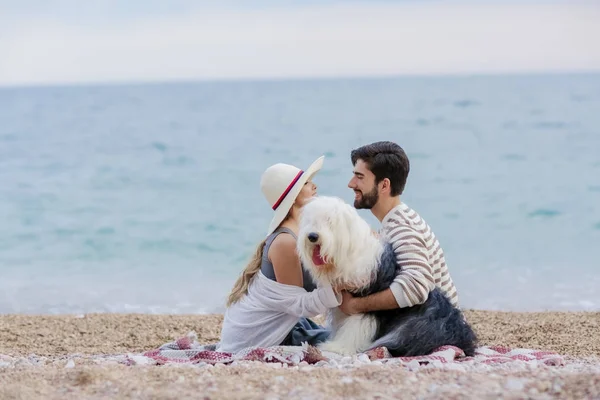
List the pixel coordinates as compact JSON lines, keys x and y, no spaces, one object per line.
{"x":51,"y":341}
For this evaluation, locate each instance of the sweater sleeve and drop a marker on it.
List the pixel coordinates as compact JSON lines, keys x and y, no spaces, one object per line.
{"x":308,"y":304}
{"x":415,"y":280}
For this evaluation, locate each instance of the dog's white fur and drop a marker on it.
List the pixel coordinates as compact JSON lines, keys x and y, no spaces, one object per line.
{"x":346,"y":265}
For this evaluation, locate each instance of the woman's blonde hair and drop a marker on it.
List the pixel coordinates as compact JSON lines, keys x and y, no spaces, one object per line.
{"x":240,"y":287}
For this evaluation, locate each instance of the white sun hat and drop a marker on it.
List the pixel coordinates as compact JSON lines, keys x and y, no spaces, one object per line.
{"x":281,"y":184}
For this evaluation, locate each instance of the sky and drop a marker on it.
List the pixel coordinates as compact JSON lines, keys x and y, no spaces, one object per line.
{"x":95,"y":41}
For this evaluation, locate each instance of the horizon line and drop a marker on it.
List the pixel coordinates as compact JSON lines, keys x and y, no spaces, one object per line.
{"x":296,"y":78}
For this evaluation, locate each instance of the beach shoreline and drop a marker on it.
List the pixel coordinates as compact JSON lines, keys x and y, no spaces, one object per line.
{"x":568,"y":333}
{"x":58,"y":339}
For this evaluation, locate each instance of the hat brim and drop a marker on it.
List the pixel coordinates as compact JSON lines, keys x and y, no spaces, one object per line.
{"x":289,"y":200}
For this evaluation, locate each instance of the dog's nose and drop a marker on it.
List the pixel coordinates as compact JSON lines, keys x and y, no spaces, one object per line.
{"x":313,"y":237}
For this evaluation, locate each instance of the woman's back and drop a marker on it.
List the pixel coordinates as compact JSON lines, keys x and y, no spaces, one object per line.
{"x":266,"y":266}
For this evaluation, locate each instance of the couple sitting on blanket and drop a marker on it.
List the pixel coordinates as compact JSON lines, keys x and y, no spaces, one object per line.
{"x":274,"y":297}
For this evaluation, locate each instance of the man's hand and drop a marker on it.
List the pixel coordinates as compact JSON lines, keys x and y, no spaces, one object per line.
{"x":383,"y":300}
{"x":349,"y":304}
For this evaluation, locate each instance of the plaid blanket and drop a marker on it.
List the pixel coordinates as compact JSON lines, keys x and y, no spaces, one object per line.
{"x":188,"y":350}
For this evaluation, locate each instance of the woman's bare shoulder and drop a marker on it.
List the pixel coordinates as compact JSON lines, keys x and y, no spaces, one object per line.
{"x":282,"y":245}
{"x":285,"y":260}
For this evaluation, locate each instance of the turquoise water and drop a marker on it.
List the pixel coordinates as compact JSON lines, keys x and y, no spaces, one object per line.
{"x":145,"y":198}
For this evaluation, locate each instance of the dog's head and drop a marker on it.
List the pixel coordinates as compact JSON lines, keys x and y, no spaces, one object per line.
{"x":333,"y":240}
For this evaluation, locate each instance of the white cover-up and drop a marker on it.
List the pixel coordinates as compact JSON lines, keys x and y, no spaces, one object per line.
{"x":269,"y":311}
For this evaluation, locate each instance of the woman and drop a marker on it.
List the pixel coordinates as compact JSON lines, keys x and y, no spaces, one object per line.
{"x":272,"y":299}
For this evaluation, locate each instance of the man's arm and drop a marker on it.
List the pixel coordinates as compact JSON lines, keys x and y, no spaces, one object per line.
{"x":383,"y":300}
{"x":415,"y":279}
{"x":412,"y":284}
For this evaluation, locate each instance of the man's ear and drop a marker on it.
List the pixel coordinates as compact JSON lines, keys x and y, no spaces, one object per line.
{"x":386,"y":186}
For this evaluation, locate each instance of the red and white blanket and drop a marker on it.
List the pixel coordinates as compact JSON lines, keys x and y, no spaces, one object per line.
{"x":188,"y":350}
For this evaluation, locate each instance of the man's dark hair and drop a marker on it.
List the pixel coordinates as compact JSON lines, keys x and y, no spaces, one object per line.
{"x":385,"y":160}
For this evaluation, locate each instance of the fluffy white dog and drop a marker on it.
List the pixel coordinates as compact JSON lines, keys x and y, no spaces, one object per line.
{"x":329,"y":232}
{"x":339,"y":248}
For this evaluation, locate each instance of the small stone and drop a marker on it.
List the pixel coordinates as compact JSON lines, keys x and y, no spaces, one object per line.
{"x":70,"y":364}
{"x":533,"y":391}
{"x":22,"y":362}
{"x":364,"y":359}
{"x":141,"y":360}
{"x":515,"y":384}
{"x":557,"y":387}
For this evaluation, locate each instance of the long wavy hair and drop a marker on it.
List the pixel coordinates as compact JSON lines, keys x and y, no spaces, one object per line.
{"x":240,"y":287}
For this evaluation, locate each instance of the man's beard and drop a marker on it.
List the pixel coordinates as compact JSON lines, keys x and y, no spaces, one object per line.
{"x":367,"y":200}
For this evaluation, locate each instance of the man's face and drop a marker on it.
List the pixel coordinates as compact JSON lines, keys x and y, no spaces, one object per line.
{"x":366,"y":193}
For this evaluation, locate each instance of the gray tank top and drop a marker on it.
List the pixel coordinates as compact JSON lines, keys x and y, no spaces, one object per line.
{"x":266,"y":266}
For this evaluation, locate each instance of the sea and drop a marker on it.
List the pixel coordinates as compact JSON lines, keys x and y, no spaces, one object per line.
{"x":145,"y":198}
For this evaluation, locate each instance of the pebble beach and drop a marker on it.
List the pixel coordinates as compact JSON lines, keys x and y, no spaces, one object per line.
{"x":78,"y":356}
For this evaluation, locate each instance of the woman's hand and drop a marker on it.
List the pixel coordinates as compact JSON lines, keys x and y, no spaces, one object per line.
{"x":339,"y":288}
{"x":350,"y":304}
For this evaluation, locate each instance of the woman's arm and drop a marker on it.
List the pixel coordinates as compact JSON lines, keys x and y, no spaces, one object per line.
{"x":296,"y":301}
{"x":288,"y":271}
{"x":285,"y":260}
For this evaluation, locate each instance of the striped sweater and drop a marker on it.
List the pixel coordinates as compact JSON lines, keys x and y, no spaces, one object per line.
{"x":420,"y":256}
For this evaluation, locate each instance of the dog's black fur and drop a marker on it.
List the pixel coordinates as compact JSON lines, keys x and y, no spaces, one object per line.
{"x":420,"y":329}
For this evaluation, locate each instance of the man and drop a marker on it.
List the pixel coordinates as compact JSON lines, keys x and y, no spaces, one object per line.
{"x":380,"y":173}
